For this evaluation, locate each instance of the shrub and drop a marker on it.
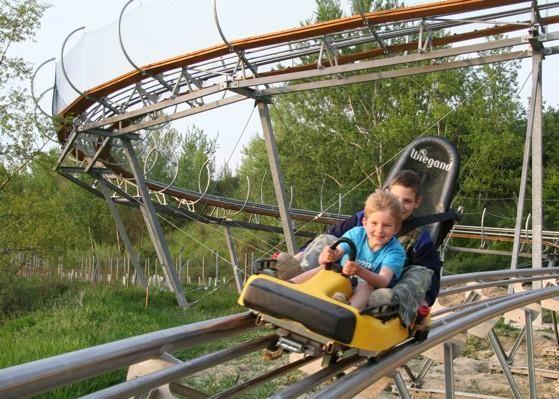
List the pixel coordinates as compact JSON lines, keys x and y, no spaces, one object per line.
{"x":22,"y":295}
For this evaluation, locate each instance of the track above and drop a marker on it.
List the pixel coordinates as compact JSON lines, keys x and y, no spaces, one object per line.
{"x":384,"y":42}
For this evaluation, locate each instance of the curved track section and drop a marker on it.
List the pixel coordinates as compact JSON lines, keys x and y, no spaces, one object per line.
{"x":127,"y":107}
{"x":46,"y":374}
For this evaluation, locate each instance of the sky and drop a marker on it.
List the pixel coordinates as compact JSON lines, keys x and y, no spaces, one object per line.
{"x":192,"y":27}
{"x":195,"y":28}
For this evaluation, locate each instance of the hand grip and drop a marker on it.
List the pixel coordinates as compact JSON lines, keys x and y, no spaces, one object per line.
{"x":352,"y":251}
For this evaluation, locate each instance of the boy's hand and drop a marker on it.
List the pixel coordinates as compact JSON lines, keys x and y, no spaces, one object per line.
{"x":328,"y":255}
{"x":351,"y":268}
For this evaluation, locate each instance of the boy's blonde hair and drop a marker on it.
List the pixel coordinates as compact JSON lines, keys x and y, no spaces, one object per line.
{"x":384,"y":200}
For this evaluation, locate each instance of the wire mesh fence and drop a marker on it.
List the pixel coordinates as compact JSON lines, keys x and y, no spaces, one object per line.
{"x":106,"y":269}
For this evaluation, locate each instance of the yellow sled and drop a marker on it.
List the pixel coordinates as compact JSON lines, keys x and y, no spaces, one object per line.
{"x":308,"y":310}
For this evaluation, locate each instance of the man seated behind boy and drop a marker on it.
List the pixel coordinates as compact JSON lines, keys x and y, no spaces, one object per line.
{"x":420,"y":249}
{"x":380,"y":257}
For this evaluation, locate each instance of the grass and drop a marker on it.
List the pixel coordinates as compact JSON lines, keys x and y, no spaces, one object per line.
{"x":19,"y":296}
{"x":82,"y":316}
{"x":238,"y":371}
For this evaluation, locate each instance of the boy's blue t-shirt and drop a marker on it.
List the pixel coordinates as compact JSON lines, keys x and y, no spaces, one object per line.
{"x":392,"y":255}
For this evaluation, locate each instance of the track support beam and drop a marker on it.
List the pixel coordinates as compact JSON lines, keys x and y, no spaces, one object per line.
{"x":448,"y":370}
{"x":277,"y":175}
{"x":401,"y":386}
{"x":234,"y":258}
{"x":537,"y":165}
{"x":134,"y":257}
{"x":498,"y":349}
{"x":530,"y":352}
{"x":154,"y":227}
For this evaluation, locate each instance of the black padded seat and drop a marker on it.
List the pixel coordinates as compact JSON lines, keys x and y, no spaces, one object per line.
{"x":436,"y":161}
{"x":320,"y":316}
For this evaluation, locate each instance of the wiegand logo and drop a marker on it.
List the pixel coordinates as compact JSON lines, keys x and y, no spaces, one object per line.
{"x":421,"y":156}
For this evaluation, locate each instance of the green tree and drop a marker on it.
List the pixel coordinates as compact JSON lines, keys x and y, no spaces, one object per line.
{"x":48,"y":215}
{"x":344,"y":139}
{"x":196,"y":158}
{"x":551,"y":162}
{"x":19,"y":20}
{"x":160,"y":155}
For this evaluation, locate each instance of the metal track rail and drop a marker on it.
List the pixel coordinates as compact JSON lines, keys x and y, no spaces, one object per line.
{"x":46,"y":374}
{"x":215,"y":69}
{"x":360,"y":379}
{"x":177,"y":194}
{"x":206,"y":65}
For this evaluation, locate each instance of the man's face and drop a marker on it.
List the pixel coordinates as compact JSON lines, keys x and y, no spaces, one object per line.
{"x":407,"y":198}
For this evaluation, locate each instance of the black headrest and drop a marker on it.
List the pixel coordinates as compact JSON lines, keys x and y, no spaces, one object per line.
{"x":436,"y":161}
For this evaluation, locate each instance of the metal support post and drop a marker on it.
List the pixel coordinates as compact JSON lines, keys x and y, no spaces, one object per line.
{"x":410,"y":374}
{"x":154,"y":227}
{"x":417,"y":381}
{"x":554,"y":318}
{"x":501,"y":349}
{"x":277,"y":175}
{"x":448,"y":370}
{"x":530,"y":353}
{"x":423,"y":372}
{"x":502,"y":360}
{"x":516,"y":345}
{"x":524,"y":174}
{"x":234,"y":258}
{"x":537,"y":167}
{"x":401,"y":386}
{"x":134,"y":258}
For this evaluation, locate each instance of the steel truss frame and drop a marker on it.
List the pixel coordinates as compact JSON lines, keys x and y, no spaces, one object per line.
{"x":111,"y":116}
{"x":108,"y":118}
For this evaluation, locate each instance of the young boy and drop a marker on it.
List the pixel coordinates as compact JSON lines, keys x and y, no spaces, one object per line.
{"x":380,"y":257}
{"x":420,"y":249}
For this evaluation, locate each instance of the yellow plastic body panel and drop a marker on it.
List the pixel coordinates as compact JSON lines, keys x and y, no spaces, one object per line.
{"x":370,"y":334}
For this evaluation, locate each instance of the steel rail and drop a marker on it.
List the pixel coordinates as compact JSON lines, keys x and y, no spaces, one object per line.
{"x":298,"y":72}
{"x":482,"y":251}
{"x":438,"y":41}
{"x":241,"y":388}
{"x":296,"y":213}
{"x":157,"y":378}
{"x":494,"y":283}
{"x":386,"y":62}
{"x":358,"y":380}
{"x":35,"y":377}
{"x":315,"y":379}
{"x":301,"y":214}
{"x":368,"y":77}
{"x":447,"y":281}
{"x":503,"y":231}
{"x":501,"y":239}
{"x":128,"y":200}
{"x":250,"y":207}
{"x":285,"y":54}
{"x":436,"y":316}
{"x":270,"y":210}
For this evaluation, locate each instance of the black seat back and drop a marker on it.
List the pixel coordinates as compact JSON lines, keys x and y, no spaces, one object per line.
{"x":436,"y":161}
